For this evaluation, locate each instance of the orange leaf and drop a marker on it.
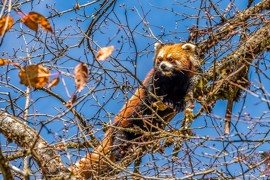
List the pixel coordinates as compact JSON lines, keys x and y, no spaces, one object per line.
{"x":81,"y":76}
{"x":54,"y":82}
{"x":41,"y":20}
{"x":104,"y":53}
{"x":29,"y":23}
{"x":34,"y":76}
{"x":3,"y":62}
{"x":33,"y":19}
{"x":6,"y":23}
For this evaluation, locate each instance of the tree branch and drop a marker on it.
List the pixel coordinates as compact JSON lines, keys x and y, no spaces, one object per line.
{"x":24,"y":136}
{"x":256,"y":44}
{"x":233,"y":23}
{"x":5,"y":167}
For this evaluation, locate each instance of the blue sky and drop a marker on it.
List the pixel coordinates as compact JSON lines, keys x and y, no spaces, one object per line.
{"x":167,"y":22}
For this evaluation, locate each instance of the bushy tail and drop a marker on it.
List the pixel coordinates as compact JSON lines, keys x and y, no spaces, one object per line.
{"x":93,"y":165}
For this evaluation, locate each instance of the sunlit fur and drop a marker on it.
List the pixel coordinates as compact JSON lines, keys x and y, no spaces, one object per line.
{"x":168,"y":83}
{"x":176,"y":58}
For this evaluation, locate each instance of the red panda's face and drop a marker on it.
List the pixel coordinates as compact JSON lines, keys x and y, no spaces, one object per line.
{"x":171,"y":58}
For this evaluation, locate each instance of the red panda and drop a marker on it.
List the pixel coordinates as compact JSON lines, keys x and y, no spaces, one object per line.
{"x":168,"y":82}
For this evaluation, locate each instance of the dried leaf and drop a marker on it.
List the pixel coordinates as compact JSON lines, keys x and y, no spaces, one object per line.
{"x":104,"y":53}
{"x":29,"y":23}
{"x":3,"y":62}
{"x":6,"y":23}
{"x":41,"y":20}
{"x":53,"y":82}
{"x":81,"y":76}
{"x":33,"y":19}
{"x":34,"y":76}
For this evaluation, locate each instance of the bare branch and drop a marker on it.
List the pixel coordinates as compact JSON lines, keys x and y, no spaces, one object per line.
{"x":256,"y":44}
{"x":233,"y":23}
{"x":5,"y":167}
{"x":23,"y":135}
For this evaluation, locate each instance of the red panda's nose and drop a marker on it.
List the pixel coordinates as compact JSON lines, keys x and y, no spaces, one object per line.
{"x":163,"y":66}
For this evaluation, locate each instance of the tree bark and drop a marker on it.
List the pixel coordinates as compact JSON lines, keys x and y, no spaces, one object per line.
{"x":24,"y":136}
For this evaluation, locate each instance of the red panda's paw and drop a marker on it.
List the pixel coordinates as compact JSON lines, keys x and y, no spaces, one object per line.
{"x":176,"y":106}
{"x":179,"y":106}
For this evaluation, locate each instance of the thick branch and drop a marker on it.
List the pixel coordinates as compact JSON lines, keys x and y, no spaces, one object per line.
{"x":23,"y":135}
{"x":256,"y":44}
{"x":233,"y":23}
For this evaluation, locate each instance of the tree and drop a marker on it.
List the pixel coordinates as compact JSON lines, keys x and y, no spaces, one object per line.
{"x":223,"y":132}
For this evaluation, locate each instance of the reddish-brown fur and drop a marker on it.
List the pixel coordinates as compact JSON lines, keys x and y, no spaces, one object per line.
{"x":137,"y":107}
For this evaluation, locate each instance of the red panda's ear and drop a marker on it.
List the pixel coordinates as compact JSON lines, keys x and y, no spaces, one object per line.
{"x":189,"y":47}
{"x":158,"y":46}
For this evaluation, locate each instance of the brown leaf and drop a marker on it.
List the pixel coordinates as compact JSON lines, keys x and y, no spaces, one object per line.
{"x":29,"y":23}
{"x":104,"y":53}
{"x":81,"y":76}
{"x":53,"y":82}
{"x":34,"y":76}
{"x":3,"y":62}
{"x":33,"y":19}
{"x":41,"y":20}
{"x":6,"y":23}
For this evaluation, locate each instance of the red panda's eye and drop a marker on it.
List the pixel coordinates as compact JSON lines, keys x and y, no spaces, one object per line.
{"x":169,"y":59}
{"x":159,"y":59}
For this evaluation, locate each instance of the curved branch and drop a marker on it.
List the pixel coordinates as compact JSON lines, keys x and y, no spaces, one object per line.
{"x":230,"y":24}
{"x":256,"y":44}
{"x":24,"y":136}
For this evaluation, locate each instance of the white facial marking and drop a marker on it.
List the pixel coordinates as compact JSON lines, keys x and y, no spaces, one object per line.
{"x":194,"y":61}
{"x":169,"y":55}
{"x":165,"y":66}
{"x":179,"y":64}
{"x":161,"y":53}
